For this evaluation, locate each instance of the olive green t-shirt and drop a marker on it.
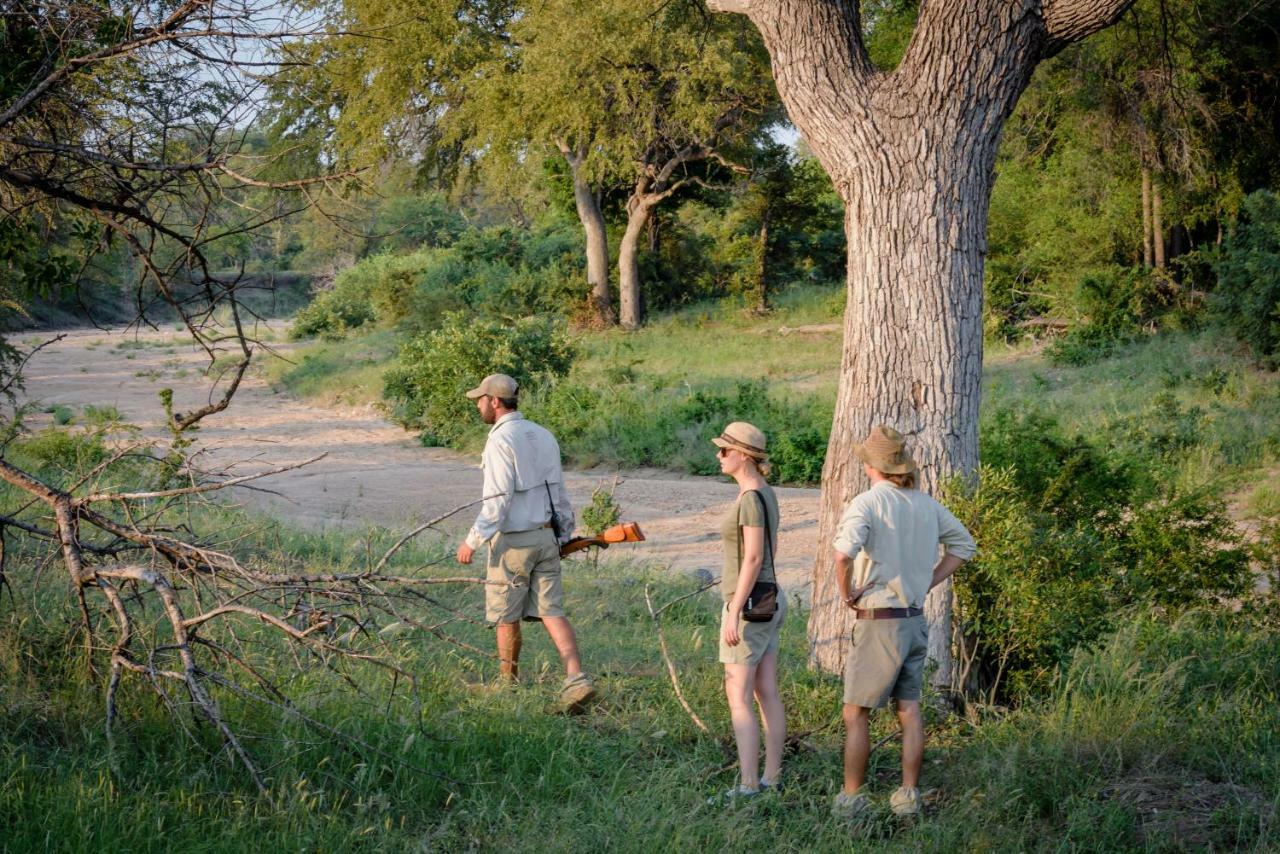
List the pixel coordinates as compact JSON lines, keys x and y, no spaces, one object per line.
{"x":747,"y":511}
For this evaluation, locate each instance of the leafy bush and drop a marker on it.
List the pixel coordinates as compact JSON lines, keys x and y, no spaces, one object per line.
{"x":435,"y":370}
{"x":1117,"y":303}
{"x":602,"y":512}
{"x":1247,"y":298}
{"x":1069,"y":536}
{"x":495,"y":272}
{"x":636,"y":424}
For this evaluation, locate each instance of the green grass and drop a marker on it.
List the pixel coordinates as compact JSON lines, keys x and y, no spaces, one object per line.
{"x":1165,"y":737}
{"x":343,"y":372}
{"x":1231,"y":408}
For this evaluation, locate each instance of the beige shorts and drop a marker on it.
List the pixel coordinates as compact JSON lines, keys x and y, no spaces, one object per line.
{"x":524,"y":577}
{"x":886,"y":660}
{"x":756,"y":638}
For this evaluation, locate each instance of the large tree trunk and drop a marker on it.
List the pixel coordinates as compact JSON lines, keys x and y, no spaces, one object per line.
{"x":630,"y":294}
{"x":912,"y":154}
{"x":588,"y":205}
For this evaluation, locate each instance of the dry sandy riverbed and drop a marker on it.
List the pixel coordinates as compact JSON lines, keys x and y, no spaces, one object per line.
{"x":375,"y":473}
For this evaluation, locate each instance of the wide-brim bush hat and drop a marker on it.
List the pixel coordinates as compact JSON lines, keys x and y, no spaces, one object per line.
{"x":741,"y":436}
{"x":884,"y":450}
{"x":495,"y":385}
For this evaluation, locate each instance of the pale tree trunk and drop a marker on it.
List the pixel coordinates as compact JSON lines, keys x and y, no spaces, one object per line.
{"x":630,"y":294}
{"x":1157,"y":225}
{"x":593,"y":226}
{"x":912,"y":154}
{"x":1146,"y":218}
{"x":762,"y":268}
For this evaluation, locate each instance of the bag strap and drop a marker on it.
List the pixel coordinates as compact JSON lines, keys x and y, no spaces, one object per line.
{"x":768,"y":537}
{"x":555,"y":517}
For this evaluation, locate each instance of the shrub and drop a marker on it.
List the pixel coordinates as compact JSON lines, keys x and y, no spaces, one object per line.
{"x":427,"y":386}
{"x":1069,"y":536}
{"x":1180,"y":549}
{"x":1118,"y":303}
{"x":1247,"y":298}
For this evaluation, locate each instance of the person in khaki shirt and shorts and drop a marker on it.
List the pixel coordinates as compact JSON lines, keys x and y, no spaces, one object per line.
{"x":749,"y":650}
{"x":886,"y":551}
{"x":523,"y":493}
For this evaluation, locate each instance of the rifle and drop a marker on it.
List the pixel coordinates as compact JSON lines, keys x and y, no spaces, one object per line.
{"x":626,"y":532}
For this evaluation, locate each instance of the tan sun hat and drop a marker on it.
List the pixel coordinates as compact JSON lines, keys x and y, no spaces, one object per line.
{"x":744,"y":437}
{"x":883,"y":450}
{"x":495,"y":385}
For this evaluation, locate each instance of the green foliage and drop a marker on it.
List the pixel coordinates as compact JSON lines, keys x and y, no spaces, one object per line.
{"x":63,"y":451}
{"x":427,"y":386}
{"x":494,"y":272}
{"x":62,"y":415}
{"x":641,"y":424}
{"x":1116,"y":304}
{"x":1248,"y":295}
{"x":1070,"y":535}
{"x":603,"y":511}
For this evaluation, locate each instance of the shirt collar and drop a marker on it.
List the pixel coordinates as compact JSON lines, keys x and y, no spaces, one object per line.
{"x":887,"y":483}
{"x":510,"y":416}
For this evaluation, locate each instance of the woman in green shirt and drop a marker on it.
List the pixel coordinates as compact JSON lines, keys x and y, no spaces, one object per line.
{"x":749,"y":650}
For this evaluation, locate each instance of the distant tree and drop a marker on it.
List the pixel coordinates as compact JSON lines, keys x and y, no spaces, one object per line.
{"x":635,"y":95}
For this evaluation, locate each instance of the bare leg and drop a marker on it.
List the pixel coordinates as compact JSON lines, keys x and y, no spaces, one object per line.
{"x":566,"y":643}
{"x":857,"y":747}
{"x":509,"y":641}
{"x":912,"y":742}
{"x":772,"y":714}
{"x":738,"y":681}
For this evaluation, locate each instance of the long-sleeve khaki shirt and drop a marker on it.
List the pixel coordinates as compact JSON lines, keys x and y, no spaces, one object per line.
{"x":893,"y":536}
{"x":521,"y":463}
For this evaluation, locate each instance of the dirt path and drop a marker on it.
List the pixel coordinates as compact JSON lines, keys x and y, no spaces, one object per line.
{"x":375,"y":472}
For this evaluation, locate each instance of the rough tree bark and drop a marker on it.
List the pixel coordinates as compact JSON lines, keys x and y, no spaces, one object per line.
{"x":912,"y":154}
{"x":588,"y":204}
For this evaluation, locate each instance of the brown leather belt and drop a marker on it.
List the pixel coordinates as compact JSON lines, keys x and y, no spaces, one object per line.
{"x":887,"y":613}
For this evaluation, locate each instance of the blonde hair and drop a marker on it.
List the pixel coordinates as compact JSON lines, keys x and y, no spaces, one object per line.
{"x":763,"y":466}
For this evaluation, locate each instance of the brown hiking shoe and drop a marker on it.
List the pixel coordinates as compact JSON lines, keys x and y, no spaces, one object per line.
{"x":577,"y":693}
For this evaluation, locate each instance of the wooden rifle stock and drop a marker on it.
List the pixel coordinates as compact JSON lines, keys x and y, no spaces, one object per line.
{"x":626,"y":532}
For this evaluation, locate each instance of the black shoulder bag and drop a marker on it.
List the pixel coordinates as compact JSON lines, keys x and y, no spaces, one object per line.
{"x":762,"y":601}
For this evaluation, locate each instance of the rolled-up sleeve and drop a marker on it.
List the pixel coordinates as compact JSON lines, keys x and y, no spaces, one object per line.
{"x":955,"y":538}
{"x":854,"y":529}
{"x":499,"y":485}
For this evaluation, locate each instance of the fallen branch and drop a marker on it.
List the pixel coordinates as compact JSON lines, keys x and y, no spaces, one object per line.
{"x":666,"y":657}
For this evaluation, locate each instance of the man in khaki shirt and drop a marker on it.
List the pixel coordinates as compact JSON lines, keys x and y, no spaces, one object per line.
{"x":886,"y":551}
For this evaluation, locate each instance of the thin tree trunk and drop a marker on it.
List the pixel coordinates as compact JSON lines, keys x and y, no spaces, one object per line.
{"x":1157,"y":226}
{"x":630,"y":289}
{"x":912,"y":154}
{"x":762,"y":271}
{"x":1147,"y":258}
{"x":597,"y":238}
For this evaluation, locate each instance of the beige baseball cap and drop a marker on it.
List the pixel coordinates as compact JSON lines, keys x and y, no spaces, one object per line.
{"x":495,"y":385}
{"x":884,"y":450}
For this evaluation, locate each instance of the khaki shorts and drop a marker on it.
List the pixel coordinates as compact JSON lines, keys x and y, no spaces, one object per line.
{"x":756,"y":638}
{"x":524,"y":577}
{"x":886,"y":660}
